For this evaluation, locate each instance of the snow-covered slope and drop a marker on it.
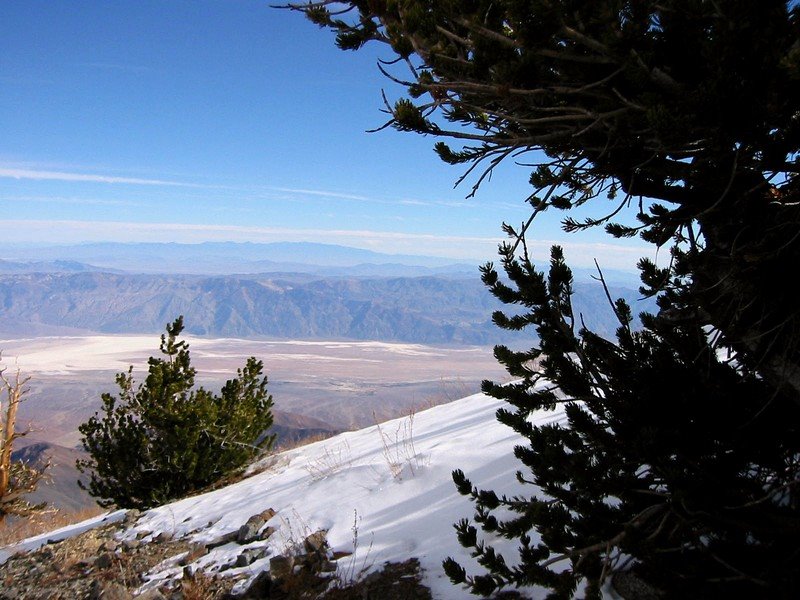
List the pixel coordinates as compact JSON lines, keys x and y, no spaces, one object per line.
{"x":389,"y":484}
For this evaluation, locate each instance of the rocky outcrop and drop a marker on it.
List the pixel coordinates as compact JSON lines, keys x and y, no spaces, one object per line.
{"x":109,"y":563}
{"x":96,"y":566}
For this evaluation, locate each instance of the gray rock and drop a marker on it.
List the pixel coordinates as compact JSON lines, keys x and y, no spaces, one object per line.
{"x":242,"y":560}
{"x":281,"y":566}
{"x":317,"y":542}
{"x":259,"y":553}
{"x":249,"y":532}
{"x":221,"y":540}
{"x":251,"y":555}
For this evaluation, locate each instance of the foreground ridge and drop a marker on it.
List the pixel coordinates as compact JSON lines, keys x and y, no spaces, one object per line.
{"x":380,"y":495}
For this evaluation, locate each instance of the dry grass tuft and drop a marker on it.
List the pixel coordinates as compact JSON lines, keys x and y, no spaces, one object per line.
{"x":13,"y":530}
{"x":398,"y":447}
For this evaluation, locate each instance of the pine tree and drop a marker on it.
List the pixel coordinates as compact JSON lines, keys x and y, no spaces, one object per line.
{"x":682,"y":113}
{"x":680,"y":457}
{"x":164,"y":439}
{"x":665,"y":461}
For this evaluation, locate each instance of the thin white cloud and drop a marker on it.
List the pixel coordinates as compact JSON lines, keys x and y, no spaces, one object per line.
{"x":361,"y":198}
{"x":325,"y":193}
{"x":71,"y":201}
{"x":39,"y":175}
{"x":445,"y":203}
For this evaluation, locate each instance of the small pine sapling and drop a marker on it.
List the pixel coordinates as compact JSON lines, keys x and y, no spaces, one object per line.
{"x":164,"y":439}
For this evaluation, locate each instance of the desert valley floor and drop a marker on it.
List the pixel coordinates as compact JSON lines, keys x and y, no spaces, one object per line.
{"x":345,"y":384}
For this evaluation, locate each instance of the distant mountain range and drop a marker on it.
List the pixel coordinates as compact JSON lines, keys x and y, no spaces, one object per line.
{"x":228,"y":258}
{"x":285,"y":290}
{"x":433,"y":310}
{"x":224,"y":258}
{"x":47,"y":266}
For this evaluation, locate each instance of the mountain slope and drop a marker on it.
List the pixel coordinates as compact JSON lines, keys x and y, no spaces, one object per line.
{"x":429,"y":310}
{"x":60,"y":488}
{"x":389,"y":484}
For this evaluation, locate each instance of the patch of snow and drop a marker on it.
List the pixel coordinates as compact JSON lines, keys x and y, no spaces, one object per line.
{"x":352,"y":481}
{"x":390,"y":483}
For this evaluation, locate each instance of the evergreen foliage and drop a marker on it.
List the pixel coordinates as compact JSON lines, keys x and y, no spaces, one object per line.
{"x":164,"y":439}
{"x":665,"y":459}
{"x":680,"y":453}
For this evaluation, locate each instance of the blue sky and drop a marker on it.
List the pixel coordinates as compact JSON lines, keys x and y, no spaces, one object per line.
{"x":207,"y":120}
